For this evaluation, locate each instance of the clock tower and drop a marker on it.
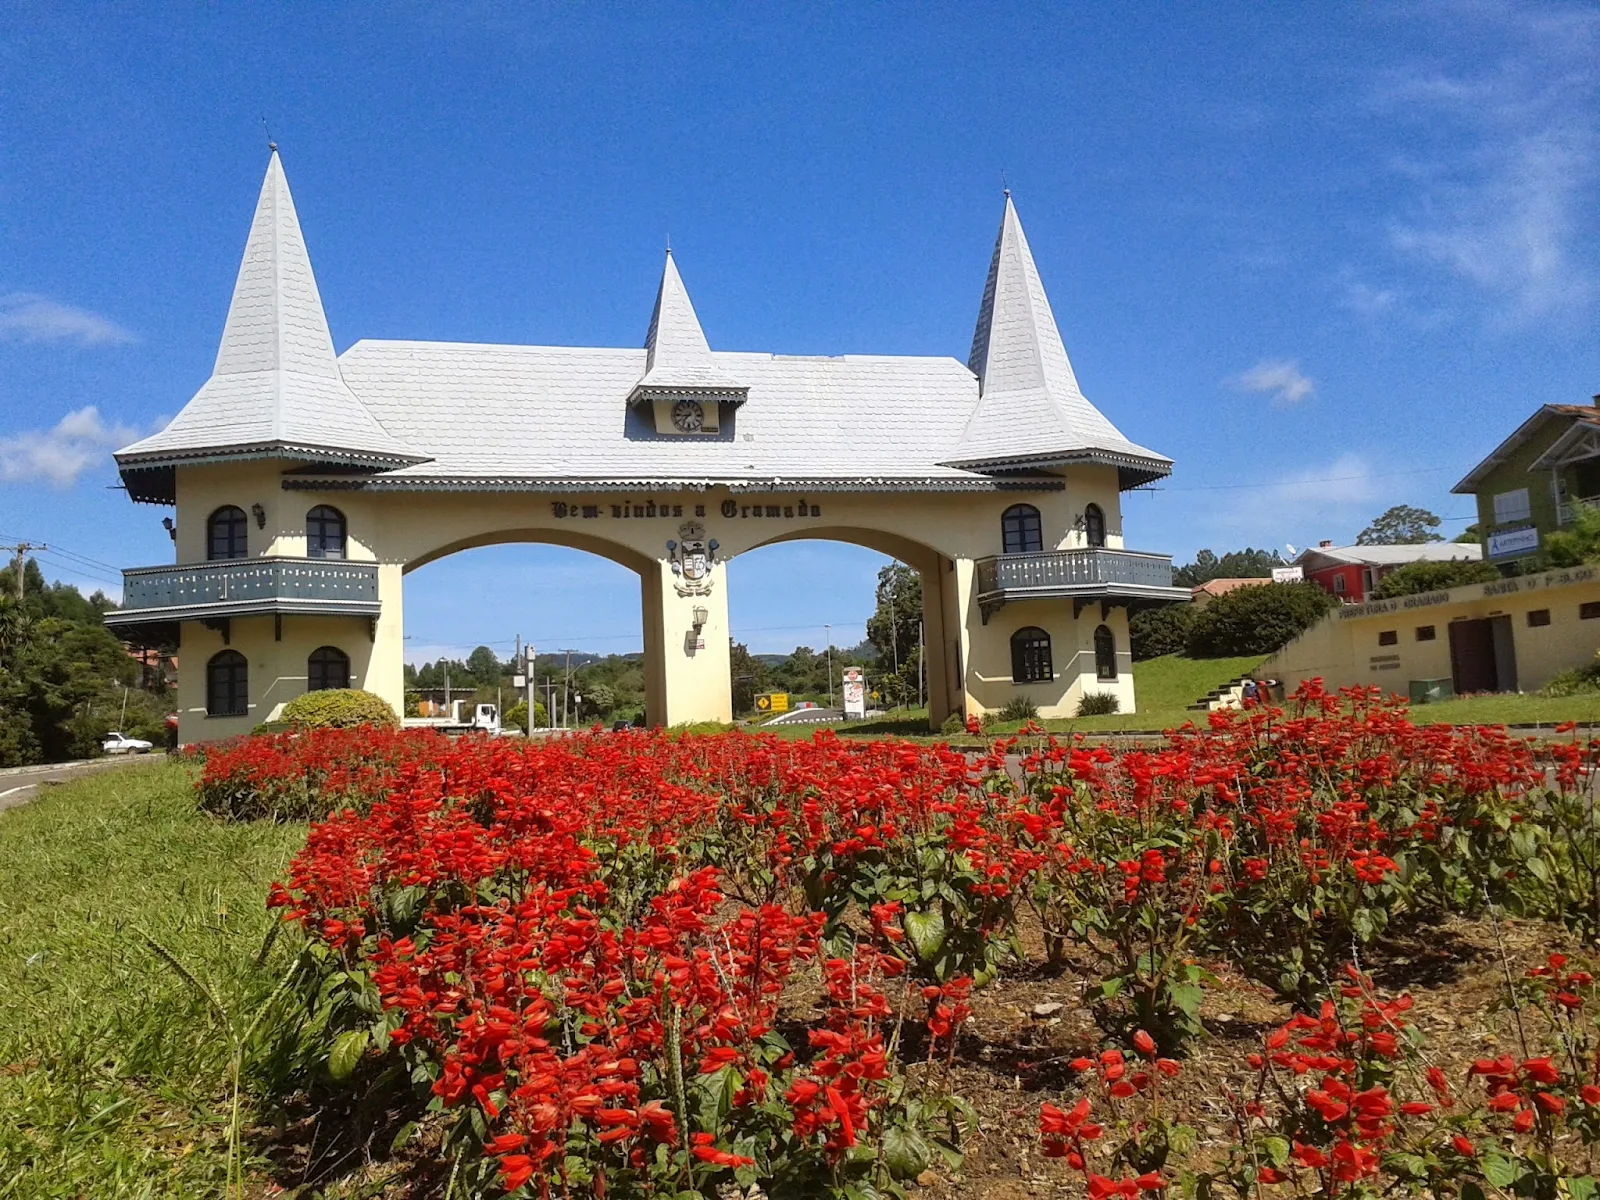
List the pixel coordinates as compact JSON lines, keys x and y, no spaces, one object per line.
{"x":686,"y":392}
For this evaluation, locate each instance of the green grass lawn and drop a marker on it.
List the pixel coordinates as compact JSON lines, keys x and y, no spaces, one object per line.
{"x":1163,"y":688}
{"x":1510,"y":710}
{"x":112,"y":1071}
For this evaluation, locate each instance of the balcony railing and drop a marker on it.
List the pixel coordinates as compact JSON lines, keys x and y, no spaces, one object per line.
{"x":1567,"y":510}
{"x":1110,"y":576}
{"x":246,"y":587}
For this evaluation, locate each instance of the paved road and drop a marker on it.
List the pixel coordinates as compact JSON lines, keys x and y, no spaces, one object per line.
{"x":18,"y":785}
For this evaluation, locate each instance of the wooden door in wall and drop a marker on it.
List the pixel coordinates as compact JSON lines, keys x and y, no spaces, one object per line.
{"x":1472,"y":657}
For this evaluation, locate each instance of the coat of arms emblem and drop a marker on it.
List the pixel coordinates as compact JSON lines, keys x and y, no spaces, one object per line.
{"x":691,"y":556}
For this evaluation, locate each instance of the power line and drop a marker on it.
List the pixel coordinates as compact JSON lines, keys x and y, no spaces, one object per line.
{"x":1279,"y":483}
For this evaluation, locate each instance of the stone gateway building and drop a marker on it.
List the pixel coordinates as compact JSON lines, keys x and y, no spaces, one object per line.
{"x":307,"y":483}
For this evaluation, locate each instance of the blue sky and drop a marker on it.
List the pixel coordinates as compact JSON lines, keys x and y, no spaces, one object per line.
{"x":1324,"y":256}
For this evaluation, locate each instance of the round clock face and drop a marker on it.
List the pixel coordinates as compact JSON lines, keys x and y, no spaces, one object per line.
{"x":687,"y":416}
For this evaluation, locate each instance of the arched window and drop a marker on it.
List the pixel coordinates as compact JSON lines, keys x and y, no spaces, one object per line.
{"x":1094,"y":525}
{"x":1030,"y":656}
{"x":225,"y":534}
{"x":324,"y":532}
{"x":328,"y":667}
{"x":227,"y":685}
{"x":1021,"y":530}
{"x":1105,"y":653}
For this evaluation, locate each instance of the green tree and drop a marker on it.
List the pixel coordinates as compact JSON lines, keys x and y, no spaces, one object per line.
{"x":1157,"y":631}
{"x":1402,"y":525}
{"x":894,"y":631}
{"x":1415,"y":578}
{"x":1472,"y":535}
{"x":1577,"y":542}
{"x":484,"y":667}
{"x":1248,"y":563}
{"x":1256,"y":620}
{"x":748,"y":675}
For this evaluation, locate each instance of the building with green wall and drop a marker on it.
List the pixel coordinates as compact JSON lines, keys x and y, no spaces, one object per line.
{"x":1535,"y":480}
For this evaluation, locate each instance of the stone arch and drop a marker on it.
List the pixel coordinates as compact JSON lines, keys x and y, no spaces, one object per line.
{"x":572,"y":539}
{"x":941,"y":611}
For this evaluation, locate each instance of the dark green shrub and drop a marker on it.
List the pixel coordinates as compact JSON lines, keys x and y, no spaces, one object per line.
{"x":1577,"y":681}
{"x":1418,"y":577}
{"x":1256,"y":620}
{"x":1098,"y":704}
{"x":1019,"y":708}
{"x":337,"y":708}
{"x":1158,"y":631}
{"x":953,"y":724}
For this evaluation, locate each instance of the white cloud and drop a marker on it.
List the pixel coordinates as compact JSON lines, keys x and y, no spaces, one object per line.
{"x":1507,"y":165}
{"x":29,"y":317}
{"x":59,"y":455}
{"x":1348,"y":479}
{"x":1279,"y":378}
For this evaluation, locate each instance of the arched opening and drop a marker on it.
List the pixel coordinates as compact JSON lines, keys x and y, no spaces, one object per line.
{"x":1030,"y":656}
{"x":1105,"y":653}
{"x":1021,"y":530}
{"x":325,"y":532}
{"x":327,"y":667}
{"x":807,"y":603}
{"x":576,"y":599}
{"x":1094,"y":525}
{"x":225,"y":534}
{"x":227,"y":685}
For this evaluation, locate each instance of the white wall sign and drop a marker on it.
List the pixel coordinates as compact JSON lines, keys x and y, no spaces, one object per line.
{"x":1288,"y":574}
{"x":1513,"y":541}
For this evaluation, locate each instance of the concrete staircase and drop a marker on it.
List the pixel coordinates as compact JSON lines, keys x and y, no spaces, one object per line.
{"x":1224,"y":695}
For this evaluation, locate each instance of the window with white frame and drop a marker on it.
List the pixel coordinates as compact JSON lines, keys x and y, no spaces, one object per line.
{"x":1511,"y":506}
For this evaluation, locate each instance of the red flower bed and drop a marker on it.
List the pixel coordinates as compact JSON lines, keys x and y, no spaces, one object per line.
{"x":635,"y":963}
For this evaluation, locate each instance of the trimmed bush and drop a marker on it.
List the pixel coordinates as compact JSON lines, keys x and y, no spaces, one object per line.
{"x":1157,"y":631}
{"x":1256,"y":620}
{"x":1575,"y":681}
{"x":337,"y":708}
{"x":1416,"y":578}
{"x":955,"y":723}
{"x":1019,"y":708}
{"x":1098,"y":704}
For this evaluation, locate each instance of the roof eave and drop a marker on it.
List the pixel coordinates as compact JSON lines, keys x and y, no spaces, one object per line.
{"x":645,"y":392}
{"x":1132,"y":470}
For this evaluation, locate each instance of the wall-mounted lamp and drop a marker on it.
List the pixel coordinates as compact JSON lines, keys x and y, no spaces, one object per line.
{"x":171,"y":527}
{"x":260,"y":515}
{"x":700,"y":617}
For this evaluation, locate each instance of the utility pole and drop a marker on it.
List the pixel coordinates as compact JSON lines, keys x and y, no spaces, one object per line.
{"x":894,"y":627}
{"x":566,"y":693}
{"x":828,"y":629}
{"x":19,"y":554}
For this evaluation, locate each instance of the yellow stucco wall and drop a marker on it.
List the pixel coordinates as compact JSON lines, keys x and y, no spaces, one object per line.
{"x":967,"y":665}
{"x":1344,"y":648}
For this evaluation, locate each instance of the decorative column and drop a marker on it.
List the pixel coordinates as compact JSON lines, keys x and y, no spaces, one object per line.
{"x":685,"y":600}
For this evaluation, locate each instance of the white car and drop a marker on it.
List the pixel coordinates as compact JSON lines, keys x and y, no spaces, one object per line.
{"x":120,"y":743}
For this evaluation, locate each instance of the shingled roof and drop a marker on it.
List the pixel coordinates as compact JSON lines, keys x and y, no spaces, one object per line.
{"x":1031,"y":412}
{"x":276,"y":389}
{"x":430,"y":415}
{"x":678,"y":360}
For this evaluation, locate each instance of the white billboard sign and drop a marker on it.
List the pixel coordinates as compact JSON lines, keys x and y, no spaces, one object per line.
{"x":1288,"y":574}
{"x":855,"y":692}
{"x":1513,"y":541}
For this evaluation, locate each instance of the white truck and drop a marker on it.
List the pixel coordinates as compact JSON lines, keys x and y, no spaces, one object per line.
{"x":464,"y":717}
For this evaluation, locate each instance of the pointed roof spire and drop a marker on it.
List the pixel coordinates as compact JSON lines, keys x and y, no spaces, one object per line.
{"x":275,"y":389}
{"x":1030,"y":410}
{"x":678,"y":360}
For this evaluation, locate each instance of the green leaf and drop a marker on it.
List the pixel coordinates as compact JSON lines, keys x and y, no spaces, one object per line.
{"x":1471,"y":1191}
{"x":346,"y":1053}
{"x":1187,"y":998}
{"x":402,"y":1136}
{"x":1276,"y":1149}
{"x":1498,"y":1169}
{"x":905,"y":1152}
{"x":1581,"y":1187}
{"x":927,"y":934}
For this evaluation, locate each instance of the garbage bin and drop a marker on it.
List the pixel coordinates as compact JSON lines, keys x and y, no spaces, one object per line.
{"x":1431,"y":691}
